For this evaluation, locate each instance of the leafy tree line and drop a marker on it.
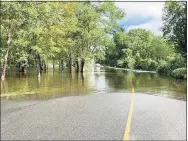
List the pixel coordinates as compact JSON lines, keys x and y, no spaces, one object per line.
{"x":175,"y":25}
{"x":71,"y":33}
{"x":175,"y":31}
{"x":141,"y":49}
{"x":34,"y":33}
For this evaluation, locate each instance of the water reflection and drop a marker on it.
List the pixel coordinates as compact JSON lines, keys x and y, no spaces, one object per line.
{"x":55,"y":84}
{"x":100,"y":81}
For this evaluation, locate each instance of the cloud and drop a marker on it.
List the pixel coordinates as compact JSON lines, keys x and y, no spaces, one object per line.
{"x":140,"y":11}
{"x":153,"y":26}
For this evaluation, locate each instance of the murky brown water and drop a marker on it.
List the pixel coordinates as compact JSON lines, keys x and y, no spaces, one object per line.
{"x":56,"y":84}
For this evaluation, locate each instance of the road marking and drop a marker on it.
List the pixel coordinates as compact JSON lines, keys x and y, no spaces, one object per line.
{"x":128,"y":125}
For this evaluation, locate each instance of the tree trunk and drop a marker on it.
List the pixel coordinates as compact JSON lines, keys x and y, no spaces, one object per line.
{"x":44,"y":66}
{"x":21,"y":66}
{"x":40,"y":64}
{"x":70,"y":63}
{"x":22,"y":69}
{"x":82,"y":65}
{"x":77,"y":65}
{"x":82,"y":76}
{"x":62,"y":65}
{"x":39,"y":67}
{"x":4,"y":65}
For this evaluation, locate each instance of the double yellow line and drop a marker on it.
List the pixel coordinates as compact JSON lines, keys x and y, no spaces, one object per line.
{"x":128,"y":125}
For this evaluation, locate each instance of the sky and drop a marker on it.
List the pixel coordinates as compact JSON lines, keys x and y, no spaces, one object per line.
{"x":146,"y":15}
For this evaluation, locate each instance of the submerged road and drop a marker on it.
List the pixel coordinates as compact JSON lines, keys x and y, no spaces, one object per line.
{"x":105,"y":116}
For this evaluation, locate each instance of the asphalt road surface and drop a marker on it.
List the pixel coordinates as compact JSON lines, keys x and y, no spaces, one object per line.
{"x":94,"y":117}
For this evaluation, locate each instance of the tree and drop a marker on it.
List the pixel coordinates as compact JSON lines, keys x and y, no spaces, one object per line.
{"x":175,"y":25}
{"x":139,"y":49}
{"x":12,"y":20}
{"x":96,"y":23}
{"x":35,"y":32}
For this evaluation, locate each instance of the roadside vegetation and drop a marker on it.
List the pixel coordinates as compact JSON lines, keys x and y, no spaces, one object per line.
{"x":71,"y":33}
{"x":141,"y":49}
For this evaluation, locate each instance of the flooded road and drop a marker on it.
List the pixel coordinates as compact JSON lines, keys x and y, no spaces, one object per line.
{"x":58,"y":84}
{"x":31,"y":110}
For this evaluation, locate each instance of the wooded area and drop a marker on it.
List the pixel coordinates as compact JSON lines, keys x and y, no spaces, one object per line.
{"x":71,"y":33}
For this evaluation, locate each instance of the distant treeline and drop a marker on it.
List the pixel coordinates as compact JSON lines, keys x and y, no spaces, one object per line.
{"x":141,"y":49}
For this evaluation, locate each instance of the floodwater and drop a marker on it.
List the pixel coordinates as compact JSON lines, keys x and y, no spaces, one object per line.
{"x":55,"y":84}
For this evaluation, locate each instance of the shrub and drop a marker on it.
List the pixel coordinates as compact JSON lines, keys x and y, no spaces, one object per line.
{"x":152,"y":64}
{"x":147,"y":64}
{"x":120,"y":63}
{"x":177,"y":62}
{"x":164,"y":68}
{"x":131,"y":63}
{"x":180,"y":73}
{"x":168,"y":67}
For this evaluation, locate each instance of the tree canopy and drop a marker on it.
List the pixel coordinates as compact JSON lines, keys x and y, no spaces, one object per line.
{"x":35,"y":32}
{"x":175,"y":25}
{"x":71,"y":33}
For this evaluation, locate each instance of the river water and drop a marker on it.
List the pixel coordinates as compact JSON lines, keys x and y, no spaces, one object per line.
{"x":58,"y":84}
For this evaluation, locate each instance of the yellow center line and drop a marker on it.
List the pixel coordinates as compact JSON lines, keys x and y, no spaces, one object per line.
{"x":128,"y":125}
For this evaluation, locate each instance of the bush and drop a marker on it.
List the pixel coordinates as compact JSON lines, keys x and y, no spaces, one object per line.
{"x":120,"y":63}
{"x":131,"y":63}
{"x":152,"y":64}
{"x":147,"y":64}
{"x":168,"y":67}
{"x":164,"y":68}
{"x":180,"y":73}
{"x":177,"y":62}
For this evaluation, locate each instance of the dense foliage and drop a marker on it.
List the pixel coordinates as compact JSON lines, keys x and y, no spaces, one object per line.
{"x":140,"y":49}
{"x":34,"y":33}
{"x":71,"y":33}
{"x":175,"y":25}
